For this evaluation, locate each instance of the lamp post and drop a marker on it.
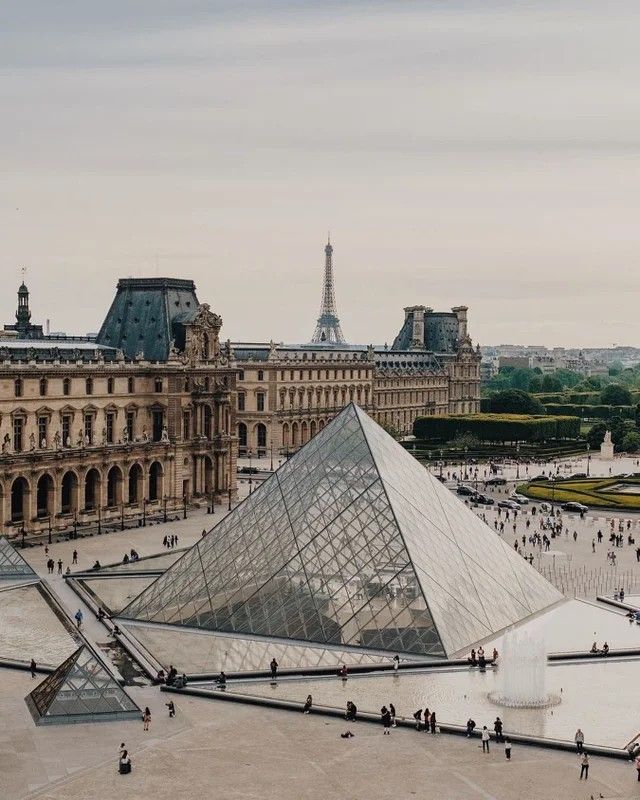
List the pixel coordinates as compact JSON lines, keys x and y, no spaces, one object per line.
{"x":271,"y":467}
{"x":99,"y":519}
{"x":75,"y":524}
{"x":465,"y":461}
{"x":517,"y":460}
{"x":122,"y":515}
{"x":441,"y":464}
{"x":49,"y":526}
{"x":184,"y":506}
{"x":164,"y":508}
{"x":588,"y":458}
{"x":23,"y":534}
{"x":229,"y":498}
{"x":250,"y":473}
{"x":144,"y":512}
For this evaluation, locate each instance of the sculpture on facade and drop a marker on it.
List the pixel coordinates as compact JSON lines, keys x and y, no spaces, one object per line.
{"x":56,"y":440}
{"x":6,"y":443}
{"x":165,"y":435}
{"x":32,"y":441}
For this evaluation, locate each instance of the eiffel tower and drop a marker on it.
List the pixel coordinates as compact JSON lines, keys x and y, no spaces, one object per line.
{"x":328,"y":329}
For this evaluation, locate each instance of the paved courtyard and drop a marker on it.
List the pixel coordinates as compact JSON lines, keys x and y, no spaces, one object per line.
{"x":220,"y":749}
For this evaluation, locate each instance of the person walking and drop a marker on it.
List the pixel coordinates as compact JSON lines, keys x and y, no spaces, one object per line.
{"x":74,"y":557}
{"x":385,"y":716}
{"x":584,"y":766}
{"x":78,"y":618}
{"x":59,"y":566}
{"x":579,"y":739}
{"x":433,"y":722}
{"x":392,"y":711}
{"x":485,"y":739}
{"x":497,"y":727}
{"x":172,"y":708}
{"x":637,"y":765}
{"x":306,"y":708}
{"x":274,"y":669}
{"x":396,"y":663}
{"x":427,"y":715}
{"x":32,"y":667}
{"x":507,"y":749}
{"x":417,"y":715}
{"x":146,"y":718}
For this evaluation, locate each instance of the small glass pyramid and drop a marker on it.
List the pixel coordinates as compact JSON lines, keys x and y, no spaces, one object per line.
{"x":12,"y":564}
{"x":80,"y":690}
{"x":353,"y":543}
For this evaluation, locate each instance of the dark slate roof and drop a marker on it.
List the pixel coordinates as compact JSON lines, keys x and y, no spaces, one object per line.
{"x":147,"y":314}
{"x":440,"y":332}
{"x":50,"y":348}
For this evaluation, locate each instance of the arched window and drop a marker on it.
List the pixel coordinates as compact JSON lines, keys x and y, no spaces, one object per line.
{"x":43,"y":387}
{"x":157,"y":385}
{"x":262,"y":436}
{"x":187,"y":385}
{"x":114,"y":487}
{"x":69,"y":493}
{"x":19,"y":499}
{"x":207,"y":422}
{"x":110,"y":385}
{"x":17,"y":387}
{"x":242,"y":435}
{"x":92,"y":489}
{"x":155,"y":481}
{"x":131,"y":385}
{"x":44,"y":496}
{"x":66,"y":386}
{"x":135,"y":484}
{"x":89,"y":386}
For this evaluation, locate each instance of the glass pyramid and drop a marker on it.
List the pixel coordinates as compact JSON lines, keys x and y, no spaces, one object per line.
{"x":12,"y":564}
{"x":80,"y":690}
{"x":350,"y":542}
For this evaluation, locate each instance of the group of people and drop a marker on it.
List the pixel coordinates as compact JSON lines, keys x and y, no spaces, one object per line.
{"x":479,"y":659}
{"x":170,"y":541}
{"x":131,"y":556}
{"x":596,"y":650}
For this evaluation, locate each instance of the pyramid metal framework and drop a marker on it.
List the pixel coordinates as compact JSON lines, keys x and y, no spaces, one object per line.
{"x":353,"y":543}
{"x":12,"y":564}
{"x":80,"y":690}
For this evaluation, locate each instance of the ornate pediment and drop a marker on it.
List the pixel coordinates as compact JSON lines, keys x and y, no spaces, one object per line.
{"x":205,"y":318}
{"x":202,"y":341}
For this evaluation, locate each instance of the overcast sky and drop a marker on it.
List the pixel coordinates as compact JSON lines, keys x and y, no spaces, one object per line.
{"x":478,"y":153}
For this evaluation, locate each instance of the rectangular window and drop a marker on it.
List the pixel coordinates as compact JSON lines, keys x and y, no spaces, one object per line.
{"x":111,"y":425}
{"x":66,"y":430}
{"x":131,"y":425}
{"x":241,"y":402}
{"x":42,"y":431}
{"x":18,"y":427}
{"x":158,"y":423}
{"x":186,"y":419}
{"x":260,"y":401}
{"x":88,"y":429}
{"x":241,"y":375}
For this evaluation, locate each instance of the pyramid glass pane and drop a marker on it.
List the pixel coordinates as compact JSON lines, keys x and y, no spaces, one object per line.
{"x":350,"y":542}
{"x":80,"y":689}
{"x":12,"y":564}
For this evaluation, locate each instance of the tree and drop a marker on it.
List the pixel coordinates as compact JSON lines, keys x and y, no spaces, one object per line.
{"x":551,"y":384}
{"x":615,"y":395}
{"x":631,"y":442}
{"x":595,"y":437}
{"x":514,"y":401}
{"x":567,"y":377}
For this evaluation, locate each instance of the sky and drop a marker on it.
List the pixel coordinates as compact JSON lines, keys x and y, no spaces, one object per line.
{"x":470,"y":153}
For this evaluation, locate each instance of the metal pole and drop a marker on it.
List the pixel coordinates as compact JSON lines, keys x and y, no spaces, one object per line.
{"x":144,"y":512}
{"x":229,"y":498}
{"x":164,"y":503}
{"x":122,"y":516}
{"x":99,"y":519}
{"x":271,"y":456}
{"x":49,"y":523}
{"x":184,"y":506}
{"x":23,"y":534}
{"x":250,"y":475}
{"x":75,"y":524}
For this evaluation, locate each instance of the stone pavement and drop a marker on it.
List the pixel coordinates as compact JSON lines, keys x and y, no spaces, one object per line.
{"x":217,"y":749}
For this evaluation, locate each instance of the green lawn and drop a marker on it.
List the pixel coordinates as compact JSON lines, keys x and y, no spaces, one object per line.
{"x":590,"y":491}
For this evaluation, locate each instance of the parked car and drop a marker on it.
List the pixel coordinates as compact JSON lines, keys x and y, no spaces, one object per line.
{"x":519,"y":498}
{"x":467,"y":491}
{"x":248,"y":470}
{"x":483,"y":500}
{"x":510,"y":504}
{"x":497,"y":481}
{"x":540,"y":478}
{"x":573,"y":506}
{"x":546,"y":508}
{"x":578,"y":475}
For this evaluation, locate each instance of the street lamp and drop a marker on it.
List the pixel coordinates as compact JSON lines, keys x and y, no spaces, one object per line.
{"x":164,"y":504}
{"x":250,"y":474}
{"x":49,"y":526}
{"x":517,"y":460}
{"x":144,"y":512}
{"x":184,"y":506}
{"x":23,"y":534}
{"x":588,"y":458}
{"x":441,"y":464}
{"x":465,"y":461}
{"x":122,"y":515}
{"x":99,"y":519}
{"x":229,"y":498}
{"x":75,"y":524}
{"x":271,"y":456}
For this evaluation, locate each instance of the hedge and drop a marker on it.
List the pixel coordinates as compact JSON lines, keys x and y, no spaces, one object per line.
{"x":593,"y":412}
{"x":497,"y":427}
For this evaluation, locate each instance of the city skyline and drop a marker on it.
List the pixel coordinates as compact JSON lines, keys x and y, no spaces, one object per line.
{"x":483,"y":157}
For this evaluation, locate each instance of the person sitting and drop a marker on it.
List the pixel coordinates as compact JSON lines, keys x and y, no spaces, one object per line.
{"x":482,"y":661}
{"x":605,"y":649}
{"x":471,"y":724}
{"x":417,"y":715}
{"x":342,"y":672}
{"x":160,"y":676}
{"x":125,"y":560}
{"x":472,"y":659}
{"x":594,"y":648}
{"x":495,"y":655}
{"x":172,"y":675}
{"x":124,"y":763}
{"x":96,"y":565}
{"x":351,"y":711}
{"x":307,"y":704}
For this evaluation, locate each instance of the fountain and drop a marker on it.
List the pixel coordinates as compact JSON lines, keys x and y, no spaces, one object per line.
{"x":523,"y":672}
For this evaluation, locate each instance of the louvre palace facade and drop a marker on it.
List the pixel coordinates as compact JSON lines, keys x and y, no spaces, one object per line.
{"x":137,"y":420}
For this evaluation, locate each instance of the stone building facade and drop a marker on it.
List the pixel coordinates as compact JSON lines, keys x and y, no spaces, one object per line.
{"x":138,"y":420}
